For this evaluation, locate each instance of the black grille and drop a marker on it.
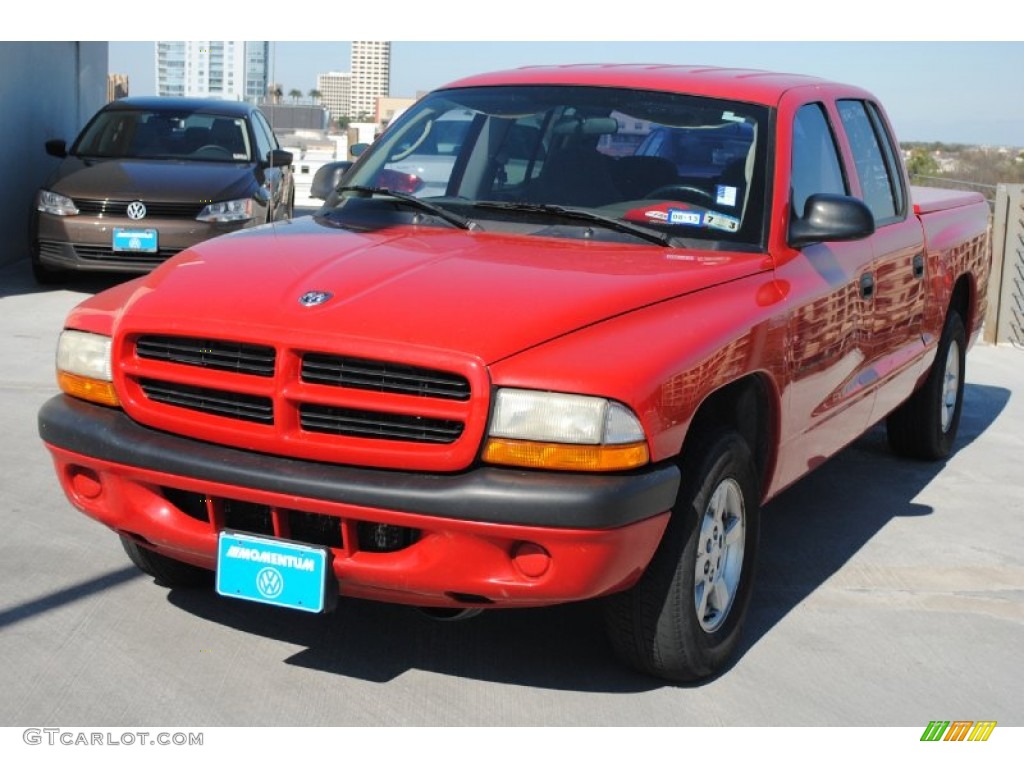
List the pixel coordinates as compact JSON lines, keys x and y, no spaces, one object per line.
{"x":120,"y":208}
{"x":314,"y":529}
{"x":252,"y":359}
{"x":214,"y":401}
{"x":376,"y":425}
{"x":106,"y":254}
{"x":245,"y":516}
{"x":377,"y":376}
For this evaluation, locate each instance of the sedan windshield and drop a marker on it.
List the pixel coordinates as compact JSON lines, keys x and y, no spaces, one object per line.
{"x":165,"y":135}
{"x":509,"y":157}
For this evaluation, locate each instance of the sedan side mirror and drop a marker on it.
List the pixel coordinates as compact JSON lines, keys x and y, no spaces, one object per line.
{"x":328,"y":178}
{"x":56,"y":148}
{"x":831,"y":218}
{"x":278,"y":158}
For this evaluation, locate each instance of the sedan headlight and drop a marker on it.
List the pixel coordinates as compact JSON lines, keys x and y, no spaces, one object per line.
{"x":551,"y":430}
{"x":229,"y":210}
{"x":58,"y":205}
{"x":85,"y":368}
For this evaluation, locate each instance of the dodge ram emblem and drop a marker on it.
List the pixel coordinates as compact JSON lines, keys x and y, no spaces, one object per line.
{"x":313,"y":298}
{"x":136,"y":211}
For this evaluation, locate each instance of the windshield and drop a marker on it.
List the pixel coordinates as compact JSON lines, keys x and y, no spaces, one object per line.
{"x":684,"y":166}
{"x":165,"y":135}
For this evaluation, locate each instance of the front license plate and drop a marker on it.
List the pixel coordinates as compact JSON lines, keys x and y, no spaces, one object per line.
{"x":274,"y":572}
{"x":135,"y":240}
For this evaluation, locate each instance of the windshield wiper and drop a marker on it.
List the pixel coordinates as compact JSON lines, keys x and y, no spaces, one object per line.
{"x":442,"y":213}
{"x":617,"y":225}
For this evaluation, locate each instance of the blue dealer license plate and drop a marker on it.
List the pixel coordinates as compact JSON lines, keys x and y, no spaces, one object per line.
{"x":274,"y":572}
{"x":135,"y":240}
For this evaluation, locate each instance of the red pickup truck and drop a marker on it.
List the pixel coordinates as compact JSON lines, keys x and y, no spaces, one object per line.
{"x":643,"y":301}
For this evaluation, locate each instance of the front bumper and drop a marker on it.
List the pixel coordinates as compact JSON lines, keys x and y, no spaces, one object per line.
{"x":487,"y":536}
{"x":85,"y":242}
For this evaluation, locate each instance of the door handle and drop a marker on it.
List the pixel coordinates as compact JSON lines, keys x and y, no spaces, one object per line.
{"x":919,"y":265}
{"x":867,"y":286}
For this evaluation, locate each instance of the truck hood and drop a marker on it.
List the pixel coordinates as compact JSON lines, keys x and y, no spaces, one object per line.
{"x":152,"y":180}
{"x":483,"y":294}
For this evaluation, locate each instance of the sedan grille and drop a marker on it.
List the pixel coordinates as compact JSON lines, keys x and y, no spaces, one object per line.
{"x":153,"y":209}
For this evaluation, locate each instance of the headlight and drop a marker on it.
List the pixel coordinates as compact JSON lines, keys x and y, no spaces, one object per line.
{"x":229,"y":210}
{"x":58,"y":205}
{"x":84,"y":367}
{"x":551,"y":430}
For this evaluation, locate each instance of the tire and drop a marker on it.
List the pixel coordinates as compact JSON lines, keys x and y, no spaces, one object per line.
{"x":170,"y":573}
{"x":683,"y":619}
{"x":925,"y":426}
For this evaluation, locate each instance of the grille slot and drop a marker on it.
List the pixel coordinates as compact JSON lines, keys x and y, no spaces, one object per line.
{"x":376,"y":425}
{"x":120,"y":208}
{"x":378,"y":376}
{"x":214,"y":401}
{"x":252,"y":359}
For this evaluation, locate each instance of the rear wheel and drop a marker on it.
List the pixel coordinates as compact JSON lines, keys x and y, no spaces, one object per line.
{"x":170,"y":573}
{"x":682,"y":621}
{"x":925,"y":426}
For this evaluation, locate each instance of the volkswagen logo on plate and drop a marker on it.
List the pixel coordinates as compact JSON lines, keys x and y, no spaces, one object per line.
{"x":136,"y":211}
{"x":269,"y":582}
{"x":313,"y":298}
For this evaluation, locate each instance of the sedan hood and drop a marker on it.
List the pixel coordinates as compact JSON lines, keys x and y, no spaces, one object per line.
{"x":483,"y":294}
{"x":152,"y":180}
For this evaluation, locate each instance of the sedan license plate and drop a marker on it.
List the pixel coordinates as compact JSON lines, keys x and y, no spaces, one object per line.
{"x":275,"y":572}
{"x":135,"y":240}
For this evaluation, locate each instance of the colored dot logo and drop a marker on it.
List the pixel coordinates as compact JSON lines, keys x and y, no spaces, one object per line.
{"x":270,"y":583}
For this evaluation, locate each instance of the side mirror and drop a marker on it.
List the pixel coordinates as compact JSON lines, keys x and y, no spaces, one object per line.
{"x":831,"y":218}
{"x":328,"y":178}
{"x":56,"y":148}
{"x":278,"y":158}
{"x":357,"y":149}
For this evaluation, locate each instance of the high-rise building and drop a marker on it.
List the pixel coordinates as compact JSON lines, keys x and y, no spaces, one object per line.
{"x":225,"y":69}
{"x":117,"y":87}
{"x":371,"y":76}
{"x":335,"y":90}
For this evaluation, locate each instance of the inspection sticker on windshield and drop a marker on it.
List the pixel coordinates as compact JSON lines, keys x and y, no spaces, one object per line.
{"x":717,"y":220}
{"x":725,"y":195}
{"x":138,"y":240}
{"x":273,"y":571}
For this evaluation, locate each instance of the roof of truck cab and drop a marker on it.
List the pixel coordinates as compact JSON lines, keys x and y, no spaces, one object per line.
{"x":749,"y":85}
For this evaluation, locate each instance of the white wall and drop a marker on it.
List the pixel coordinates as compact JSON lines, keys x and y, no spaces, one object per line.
{"x":48,"y":91}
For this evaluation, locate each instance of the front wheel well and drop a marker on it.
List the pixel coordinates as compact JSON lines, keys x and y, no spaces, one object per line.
{"x":748,"y":406}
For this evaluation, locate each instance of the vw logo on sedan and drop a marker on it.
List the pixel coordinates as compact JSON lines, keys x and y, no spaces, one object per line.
{"x":313,"y":298}
{"x":136,"y":211}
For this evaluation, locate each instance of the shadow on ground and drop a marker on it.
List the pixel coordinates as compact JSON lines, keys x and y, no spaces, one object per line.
{"x":809,"y":532}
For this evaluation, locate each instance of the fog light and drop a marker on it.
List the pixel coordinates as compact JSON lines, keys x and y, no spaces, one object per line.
{"x":84,"y":482}
{"x":531,"y":559}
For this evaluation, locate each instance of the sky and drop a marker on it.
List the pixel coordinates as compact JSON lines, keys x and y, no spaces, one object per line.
{"x":941,"y":77}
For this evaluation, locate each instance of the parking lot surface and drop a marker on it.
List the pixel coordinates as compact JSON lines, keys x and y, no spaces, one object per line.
{"x":889,"y":593}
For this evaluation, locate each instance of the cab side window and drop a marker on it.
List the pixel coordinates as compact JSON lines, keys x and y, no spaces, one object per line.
{"x":874,"y":158}
{"x":815,"y":165}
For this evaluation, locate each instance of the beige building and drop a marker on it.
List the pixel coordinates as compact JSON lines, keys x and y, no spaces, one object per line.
{"x":371,"y":76}
{"x":389,"y":107}
{"x":117,"y":87}
{"x":335,"y":92}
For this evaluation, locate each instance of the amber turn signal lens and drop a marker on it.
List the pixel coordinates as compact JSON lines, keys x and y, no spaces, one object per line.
{"x":581,"y":458}
{"x":93,"y":390}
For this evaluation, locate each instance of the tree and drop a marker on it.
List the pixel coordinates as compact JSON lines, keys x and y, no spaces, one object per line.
{"x":922,"y":163}
{"x":296,"y":94}
{"x":343,"y":122}
{"x":315,"y":95}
